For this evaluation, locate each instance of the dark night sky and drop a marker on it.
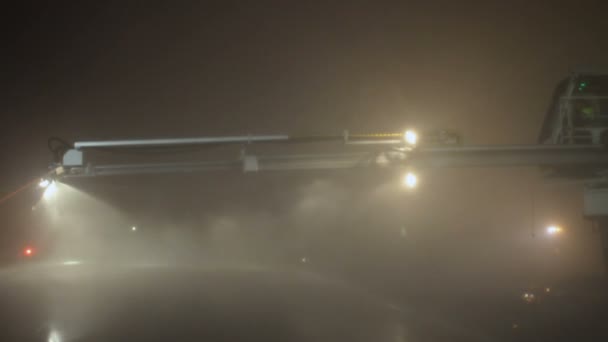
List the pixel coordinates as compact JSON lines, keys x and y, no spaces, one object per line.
{"x":137,"y":69}
{"x":102,"y":71}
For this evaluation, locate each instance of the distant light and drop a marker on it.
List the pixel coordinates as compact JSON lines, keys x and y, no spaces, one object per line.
{"x":133,"y":228}
{"x":528,"y":297}
{"x":553,"y":230}
{"x":54,"y":336}
{"x":547,"y":289}
{"x":44,"y":183}
{"x":71,"y":262}
{"x":50,"y":191}
{"x":28,"y":251}
{"x":410,"y":137}
{"x":304,"y":260}
{"x":410,"y":180}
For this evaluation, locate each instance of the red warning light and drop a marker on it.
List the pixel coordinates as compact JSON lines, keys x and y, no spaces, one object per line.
{"x":28,"y":251}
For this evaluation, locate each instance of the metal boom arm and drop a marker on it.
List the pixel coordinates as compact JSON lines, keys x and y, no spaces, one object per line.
{"x":373,"y":150}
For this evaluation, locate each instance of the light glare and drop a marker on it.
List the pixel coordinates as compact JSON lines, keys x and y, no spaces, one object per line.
{"x":50,"y":191}
{"x":410,"y":180}
{"x":28,"y":251}
{"x":410,"y":137}
{"x":553,"y":230}
{"x":54,"y":337}
{"x":44,"y":183}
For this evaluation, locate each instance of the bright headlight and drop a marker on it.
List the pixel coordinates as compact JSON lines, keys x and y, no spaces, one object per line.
{"x":410,"y":180}
{"x":410,"y":137}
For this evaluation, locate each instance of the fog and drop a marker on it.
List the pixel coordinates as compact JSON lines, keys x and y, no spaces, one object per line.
{"x":358,"y":240}
{"x":464,"y":242}
{"x":362,"y":227}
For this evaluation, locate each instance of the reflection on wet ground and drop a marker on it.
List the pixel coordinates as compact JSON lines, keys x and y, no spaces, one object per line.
{"x":79,"y":301}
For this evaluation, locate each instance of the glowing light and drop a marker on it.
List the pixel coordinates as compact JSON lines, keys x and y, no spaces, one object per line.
{"x":410,"y":180}
{"x":554,"y":230}
{"x":71,"y":262}
{"x":28,"y":251}
{"x":528,"y":297}
{"x":54,"y":336}
{"x":410,"y":137}
{"x":44,"y":183}
{"x":133,"y":228}
{"x":50,"y":191}
{"x":548,"y":289}
{"x":304,"y":260}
